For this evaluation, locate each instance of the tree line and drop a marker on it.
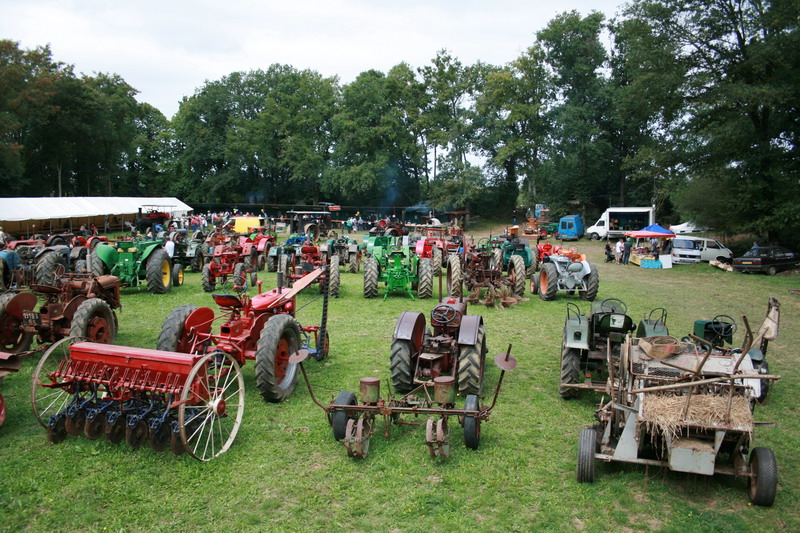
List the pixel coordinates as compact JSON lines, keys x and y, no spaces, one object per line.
{"x":690,"y":105}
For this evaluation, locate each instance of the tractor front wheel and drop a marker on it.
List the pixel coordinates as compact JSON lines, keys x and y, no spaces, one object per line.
{"x":94,"y":320}
{"x":454,"y":276}
{"x":355,"y":262}
{"x":276,"y":377}
{"x":516,"y":273}
{"x":272,"y":263}
{"x":177,"y":275}
{"x":592,"y":285}
{"x":570,"y":371}
{"x":548,"y":282}
{"x":436,"y":256}
{"x":334,"y":277}
{"x":209,"y":281}
{"x":371,"y":278}
{"x":497,"y":259}
{"x":172,"y":331}
{"x":425,"y":284}
{"x":340,"y":417}
{"x":400,"y":362}
{"x":471,"y":359}
{"x":159,"y":272}
{"x":764,"y":480}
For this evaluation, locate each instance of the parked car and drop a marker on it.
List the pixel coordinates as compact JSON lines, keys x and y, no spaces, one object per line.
{"x":688,"y":227}
{"x":767,"y":259}
{"x":684,"y":251}
{"x":711,"y":249}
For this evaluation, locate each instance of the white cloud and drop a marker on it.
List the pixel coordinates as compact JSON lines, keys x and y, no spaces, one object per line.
{"x":168,"y":49}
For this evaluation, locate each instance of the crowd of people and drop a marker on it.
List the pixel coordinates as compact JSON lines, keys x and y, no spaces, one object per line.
{"x":620,"y":252}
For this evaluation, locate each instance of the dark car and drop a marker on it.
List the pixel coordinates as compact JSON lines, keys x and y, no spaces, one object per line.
{"x":769,"y":259}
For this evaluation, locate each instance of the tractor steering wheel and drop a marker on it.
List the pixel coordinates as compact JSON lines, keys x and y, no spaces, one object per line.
{"x":723,"y":325}
{"x":444,"y":314}
{"x":483,"y":242}
{"x":614,"y":305}
{"x":573,"y":249}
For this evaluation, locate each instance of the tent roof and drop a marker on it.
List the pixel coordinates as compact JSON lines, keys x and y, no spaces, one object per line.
{"x":47,"y":208}
{"x":653,"y":230}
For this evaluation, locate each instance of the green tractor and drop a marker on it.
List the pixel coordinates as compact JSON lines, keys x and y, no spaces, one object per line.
{"x":135,"y":263}
{"x":393,"y":263}
{"x":508,"y":246}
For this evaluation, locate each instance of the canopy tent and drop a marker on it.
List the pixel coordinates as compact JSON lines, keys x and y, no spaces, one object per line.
{"x":31,"y":215}
{"x":653,"y":230}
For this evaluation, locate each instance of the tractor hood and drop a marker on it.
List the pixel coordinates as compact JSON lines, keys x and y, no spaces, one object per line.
{"x":261,"y":302}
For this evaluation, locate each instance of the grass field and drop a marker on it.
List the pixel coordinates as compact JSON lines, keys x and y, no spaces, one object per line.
{"x":286,"y":473}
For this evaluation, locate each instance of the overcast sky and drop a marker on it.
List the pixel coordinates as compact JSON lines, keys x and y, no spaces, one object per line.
{"x":166,"y":49}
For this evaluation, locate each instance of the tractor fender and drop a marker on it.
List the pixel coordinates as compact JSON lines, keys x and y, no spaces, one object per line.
{"x":77,"y":252}
{"x":468,"y":332}
{"x":587,"y":268}
{"x":149,"y":250}
{"x":352,"y":248}
{"x":419,"y":248}
{"x":263,"y":245}
{"x":72,"y":306}
{"x":94,"y":240}
{"x":107,"y":254}
{"x":411,"y":326}
{"x":275,"y":251}
{"x":10,"y":258}
{"x":24,"y":301}
{"x":247,"y":248}
{"x":324,"y":248}
{"x":61,"y":249}
{"x":200,"y":319}
{"x":576,"y":332}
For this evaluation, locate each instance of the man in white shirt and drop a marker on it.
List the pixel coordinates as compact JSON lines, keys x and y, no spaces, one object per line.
{"x":619,"y":249}
{"x":169,"y":246}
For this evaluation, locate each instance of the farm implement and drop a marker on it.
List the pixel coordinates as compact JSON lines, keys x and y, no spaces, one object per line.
{"x":188,"y":394}
{"x":482,"y":277}
{"x":354,"y":423}
{"x":687,"y":406}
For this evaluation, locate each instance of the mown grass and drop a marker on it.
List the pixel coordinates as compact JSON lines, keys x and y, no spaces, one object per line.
{"x":286,"y":473}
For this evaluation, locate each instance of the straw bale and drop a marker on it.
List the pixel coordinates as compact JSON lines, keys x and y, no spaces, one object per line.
{"x":665,"y":413}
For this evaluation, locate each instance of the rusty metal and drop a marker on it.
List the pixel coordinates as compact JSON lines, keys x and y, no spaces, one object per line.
{"x":444,"y":390}
{"x":370,"y":390}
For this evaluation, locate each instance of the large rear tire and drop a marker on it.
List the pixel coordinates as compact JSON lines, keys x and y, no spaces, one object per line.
{"x":454,"y":276}
{"x":46,"y":266}
{"x":172,"y":331}
{"x":159,"y":272}
{"x":94,"y":320}
{"x":570,"y":371}
{"x":371,"y":278}
{"x":401,"y":370}
{"x":425,"y":284}
{"x":471,"y":359}
{"x":587,"y":443}
{"x":548,"y":282}
{"x":96,"y":265}
{"x":335,"y":277}
{"x":516,"y":273}
{"x":497,"y":259}
{"x":592,"y":285}
{"x":276,"y":377}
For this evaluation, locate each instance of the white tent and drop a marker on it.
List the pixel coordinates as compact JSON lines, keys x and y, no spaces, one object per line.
{"x":22,"y":215}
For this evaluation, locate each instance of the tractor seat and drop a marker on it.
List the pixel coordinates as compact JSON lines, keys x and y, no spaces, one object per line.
{"x":227,"y":300}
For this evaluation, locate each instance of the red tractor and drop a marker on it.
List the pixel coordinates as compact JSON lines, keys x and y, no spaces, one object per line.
{"x":227,"y":261}
{"x":292,"y":267}
{"x":187,"y":395}
{"x":546,"y":249}
{"x":455,"y":347}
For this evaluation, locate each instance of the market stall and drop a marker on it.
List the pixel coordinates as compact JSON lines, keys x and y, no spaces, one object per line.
{"x":644,"y":253}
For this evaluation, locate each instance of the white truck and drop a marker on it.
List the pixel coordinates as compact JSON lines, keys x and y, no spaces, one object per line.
{"x":617,"y":220}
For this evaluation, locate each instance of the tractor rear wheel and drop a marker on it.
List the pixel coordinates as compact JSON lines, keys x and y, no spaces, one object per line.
{"x":283,"y":268}
{"x":276,"y":377}
{"x":159,"y":272}
{"x":425,"y":283}
{"x":471,"y":359}
{"x":587,"y":443}
{"x":334,"y":278}
{"x":516,"y":273}
{"x":209,"y":282}
{"x":472,"y":424}
{"x":96,"y":265}
{"x":251,"y":261}
{"x":261,"y":262}
{"x":371,"y":278}
{"x":436,"y":257}
{"x":340,"y":417}
{"x":94,"y":320}
{"x":46,"y":266}
{"x":548,"y":282}
{"x":80,"y":266}
{"x":400,"y":362}
{"x":497,"y":259}
{"x":240,"y":274}
{"x":177,"y":275}
{"x":570,"y":371}
{"x":355,"y":262}
{"x":172,"y":331}
{"x":764,"y":480}
{"x":592,"y":285}
{"x":197,"y":261}
{"x":272,"y":263}
{"x":454,"y":276}
{"x":12,"y":337}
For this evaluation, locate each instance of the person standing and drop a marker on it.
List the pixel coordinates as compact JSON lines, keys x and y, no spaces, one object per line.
{"x":619,"y":249}
{"x":626,"y":250}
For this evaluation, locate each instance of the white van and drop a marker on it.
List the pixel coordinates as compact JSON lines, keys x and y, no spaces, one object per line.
{"x":711,"y":249}
{"x":685,"y":251}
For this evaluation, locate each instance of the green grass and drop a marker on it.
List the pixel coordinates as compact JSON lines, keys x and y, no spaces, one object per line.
{"x":286,"y":473}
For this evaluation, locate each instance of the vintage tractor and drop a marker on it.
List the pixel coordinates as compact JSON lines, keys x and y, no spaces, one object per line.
{"x":455,"y":347}
{"x":346,"y":249}
{"x":511,"y":245}
{"x":290,"y":247}
{"x":263,"y":239}
{"x":134,"y":262}
{"x":305,"y":259}
{"x":188,"y":394}
{"x":354,"y":423}
{"x":480,"y":275}
{"x":75,"y":304}
{"x":188,"y":251}
{"x":566,"y":270}
{"x":399,"y":268}
{"x":226,"y":261}
{"x":544,"y":250}
{"x":394,"y":228}
{"x":432,"y":243}
{"x":687,"y":407}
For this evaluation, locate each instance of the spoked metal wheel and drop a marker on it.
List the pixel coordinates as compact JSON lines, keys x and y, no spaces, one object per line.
{"x":51,"y":394}
{"x":212,"y":405}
